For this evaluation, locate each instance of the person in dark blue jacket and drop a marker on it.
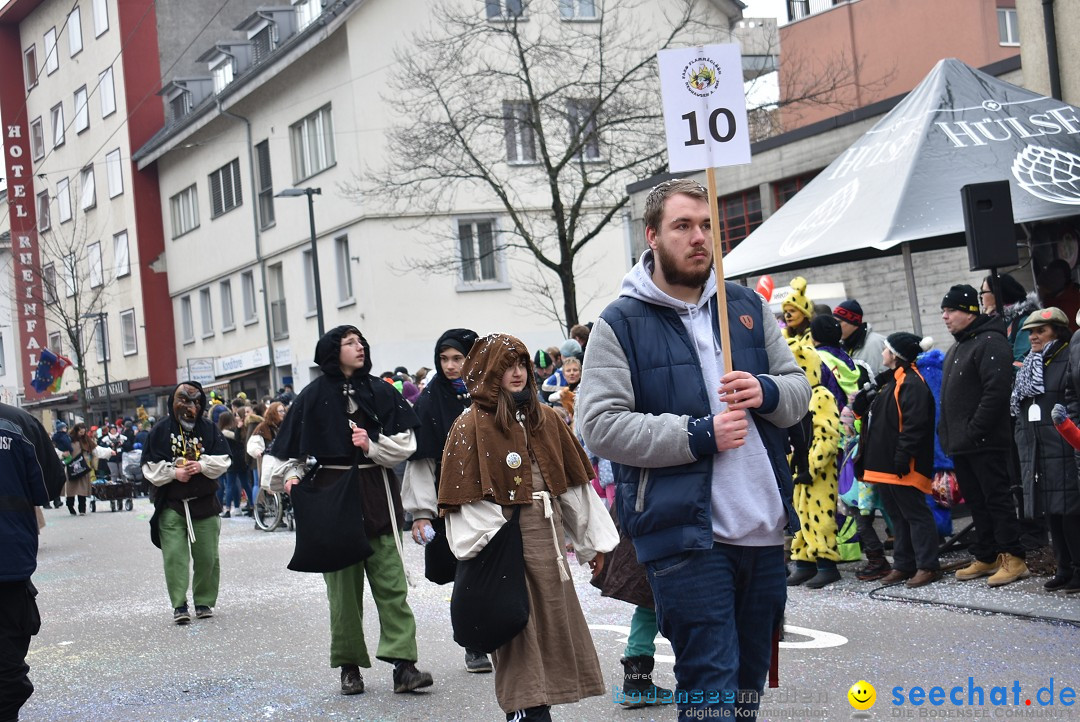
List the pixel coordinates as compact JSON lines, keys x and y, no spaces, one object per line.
{"x":699,"y":451}
{"x":30,"y":475}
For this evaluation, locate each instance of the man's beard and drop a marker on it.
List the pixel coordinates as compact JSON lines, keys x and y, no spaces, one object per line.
{"x":674,"y":275}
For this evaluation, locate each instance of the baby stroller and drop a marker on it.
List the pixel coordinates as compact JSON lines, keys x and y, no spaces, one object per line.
{"x":118,"y":493}
{"x":132,"y":467}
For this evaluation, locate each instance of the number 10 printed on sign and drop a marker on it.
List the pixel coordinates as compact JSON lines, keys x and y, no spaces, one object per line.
{"x":704,"y":107}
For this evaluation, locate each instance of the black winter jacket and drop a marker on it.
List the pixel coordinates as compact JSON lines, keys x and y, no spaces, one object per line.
{"x":899,"y":428}
{"x":1047,"y":461}
{"x":976,"y":382}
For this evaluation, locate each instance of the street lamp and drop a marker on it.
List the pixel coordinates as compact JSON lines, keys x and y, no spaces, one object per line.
{"x":310,"y":193}
{"x":100,"y":317}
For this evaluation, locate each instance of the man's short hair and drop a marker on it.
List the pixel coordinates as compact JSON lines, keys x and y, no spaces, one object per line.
{"x":654,"y":202}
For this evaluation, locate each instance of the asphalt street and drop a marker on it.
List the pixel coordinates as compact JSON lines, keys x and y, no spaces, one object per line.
{"x":108,"y":649}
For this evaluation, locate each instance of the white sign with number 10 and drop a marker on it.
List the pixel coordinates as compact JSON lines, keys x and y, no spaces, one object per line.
{"x":704,"y":107}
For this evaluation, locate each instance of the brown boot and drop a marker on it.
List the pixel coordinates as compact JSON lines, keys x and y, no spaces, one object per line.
{"x":896,"y":576}
{"x":877,"y":566}
{"x":1011,"y":569}
{"x":923,"y":577}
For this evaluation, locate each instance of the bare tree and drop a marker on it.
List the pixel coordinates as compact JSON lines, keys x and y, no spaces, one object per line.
{"x":74,"y":289}
{"x":544,"y":120}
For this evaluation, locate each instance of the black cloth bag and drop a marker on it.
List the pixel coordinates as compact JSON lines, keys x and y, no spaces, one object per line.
{"x":329,"y":524}
{"x":440,"y":565}
{"x":77,"y":467}
{"x":490,"y":603}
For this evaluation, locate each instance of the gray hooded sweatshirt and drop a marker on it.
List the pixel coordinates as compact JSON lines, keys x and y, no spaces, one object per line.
{"x":746,"y":505}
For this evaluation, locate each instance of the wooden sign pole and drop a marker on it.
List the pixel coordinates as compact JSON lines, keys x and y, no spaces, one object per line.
{"x":718,"y":264}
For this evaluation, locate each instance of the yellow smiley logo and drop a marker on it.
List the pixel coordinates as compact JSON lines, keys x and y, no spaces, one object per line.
{"x":862,"y":695}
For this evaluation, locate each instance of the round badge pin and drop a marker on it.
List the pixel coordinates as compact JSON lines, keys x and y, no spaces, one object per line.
{"x":513,"y":460}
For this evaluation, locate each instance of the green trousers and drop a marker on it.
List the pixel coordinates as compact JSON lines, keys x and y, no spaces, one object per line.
{"x":641,"y":640}
{"x":179,"y":555}
{"x":345,"y":590}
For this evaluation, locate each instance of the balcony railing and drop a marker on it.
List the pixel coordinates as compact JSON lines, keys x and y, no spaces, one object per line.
{"x":799,"y":9}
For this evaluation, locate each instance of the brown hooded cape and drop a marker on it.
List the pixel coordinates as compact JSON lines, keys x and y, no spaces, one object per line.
{"x":477,"y":457}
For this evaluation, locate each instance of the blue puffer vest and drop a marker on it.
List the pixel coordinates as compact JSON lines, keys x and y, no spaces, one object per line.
{"x":668,"y":510}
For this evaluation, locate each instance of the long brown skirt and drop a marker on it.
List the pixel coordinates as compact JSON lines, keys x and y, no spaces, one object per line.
{"x":79,"y":487}
{"x":553,"y":660}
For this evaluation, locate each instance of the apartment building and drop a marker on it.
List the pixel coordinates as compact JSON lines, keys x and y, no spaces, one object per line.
{"x":86,"y":223}
{"x":302,"y":104}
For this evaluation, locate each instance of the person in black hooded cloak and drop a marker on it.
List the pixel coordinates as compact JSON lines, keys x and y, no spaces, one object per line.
{"x":344,"y":417}
{"x":442,"y":401}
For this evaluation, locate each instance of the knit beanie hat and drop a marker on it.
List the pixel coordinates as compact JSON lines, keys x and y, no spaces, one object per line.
{"x":797,"y":298}
{"x":906,"y":346}
{"x":542,"y":360}
{"x":569,"y":348}
{"x":849,"y":311}
{"x":826,"y":330}
{"x":962,"y":297}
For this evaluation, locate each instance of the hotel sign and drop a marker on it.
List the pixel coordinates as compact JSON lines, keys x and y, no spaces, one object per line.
{"x":24,"y":250}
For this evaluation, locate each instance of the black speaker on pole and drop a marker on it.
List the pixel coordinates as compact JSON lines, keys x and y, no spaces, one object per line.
{"x":988,"y":224}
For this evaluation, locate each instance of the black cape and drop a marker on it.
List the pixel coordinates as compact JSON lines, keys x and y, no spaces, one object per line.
{"x":317,"y":423}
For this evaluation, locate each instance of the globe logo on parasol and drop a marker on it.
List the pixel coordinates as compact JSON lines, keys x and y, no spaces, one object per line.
{"x":824,"y":217}
{"x":1048,"y":173}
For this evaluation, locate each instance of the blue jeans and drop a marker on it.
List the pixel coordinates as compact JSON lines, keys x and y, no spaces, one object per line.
{"x":719,"y":609}
{"x":232,"y":490}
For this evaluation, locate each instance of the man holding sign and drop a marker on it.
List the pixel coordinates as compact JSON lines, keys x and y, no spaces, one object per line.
{"x":699,"y":449}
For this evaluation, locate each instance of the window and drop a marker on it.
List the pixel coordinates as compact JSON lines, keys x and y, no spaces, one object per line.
{"x":185,"y":211}
{"x":279,"y":321}
{"x":56,"y":344}
{"x":225,"y":188}
{"x":107,"y":92}
{"x":1008,"y":28}
{"x":115,"y":173}
{"x":577,"y":9}
{"x":187,"y":325}
{"x":207,"y":312}
{"x":306,"y":12}
{"x":263,"y":42}
{"x":93,"y":257}
{"x":222,"y":74}
{"x":309,"y":283}
{"x":313,"y":144}
{"x":43,"y":221}
{"x":82,"y":113}
{"x":505,"y":9}
{"x":57,"y":115}
{"x":30,"y":68}
{"x":128,"y":335}
{"x":101,"y":17}
{"x":740,"y":214}
{"x":247,"y":283}
{"x":52,"y":58}
{"x":518,"y":127}
{"x":88,"y":194}
{"x":48,"y":280}
{"x":228,"y":322}
{"x":101,"y":338}
{"x":476,"y":241}
{"x":344,"y":269}
{"x":63,"y":200}
{"x":583,"y":137}
{"x":265,"y":184}
{"x":121,"y":255}
{"x":74,"y":31}
{"x":37,"y":138}
{"x":180,"y":105}
{"x":784,"y":190}
{"x":70,"y":267}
